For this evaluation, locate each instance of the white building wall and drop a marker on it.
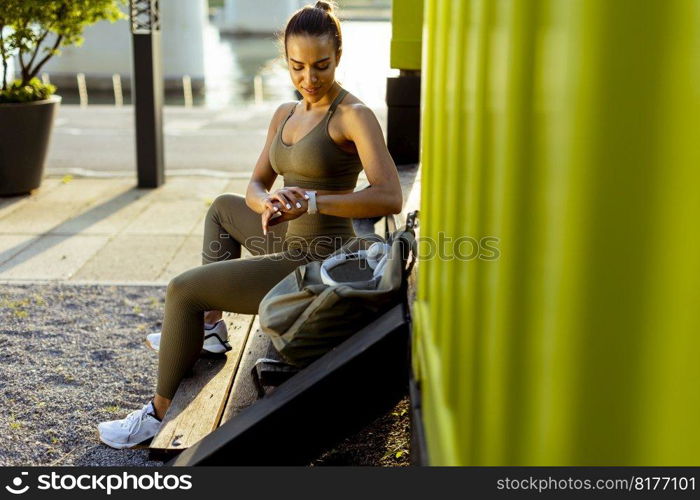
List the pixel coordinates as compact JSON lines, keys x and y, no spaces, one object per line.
{"x":257,"y":17}
{"x":107,"y":49}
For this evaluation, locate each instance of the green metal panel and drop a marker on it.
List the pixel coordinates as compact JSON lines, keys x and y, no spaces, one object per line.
{"x":406,"y":34}
{"x":567,"y":129}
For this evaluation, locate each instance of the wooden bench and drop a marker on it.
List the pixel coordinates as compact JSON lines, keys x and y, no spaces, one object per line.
{"x":220,"y":387}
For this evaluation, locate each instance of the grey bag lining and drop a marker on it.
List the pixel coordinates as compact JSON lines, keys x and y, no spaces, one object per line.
{"x":352,"y":270}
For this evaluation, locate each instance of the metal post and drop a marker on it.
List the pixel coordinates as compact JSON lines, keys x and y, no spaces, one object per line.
{"x":147,"y":85}
{"x":403,"y":92}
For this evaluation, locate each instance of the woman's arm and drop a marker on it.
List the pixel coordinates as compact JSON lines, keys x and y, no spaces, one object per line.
{"x":263,"y":175}
{"x":383,"y":196}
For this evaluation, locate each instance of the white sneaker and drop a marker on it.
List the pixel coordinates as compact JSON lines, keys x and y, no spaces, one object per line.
{"x":136,"y":428}
{"x":215,"y":339}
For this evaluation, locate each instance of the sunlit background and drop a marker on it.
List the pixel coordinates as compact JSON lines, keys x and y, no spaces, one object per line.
{"x":236,"y":64}
{"x":231,"y":65}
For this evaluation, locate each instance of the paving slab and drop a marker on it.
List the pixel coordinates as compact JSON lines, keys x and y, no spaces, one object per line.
{"x":110,"y":215}
{"x":189,"y":255}
{"x":173,"y":217}
{"x":13,"y":244}
{"x":131,"y":257}
{"x":10,"y":203}
{"x":48,"y":210}
{"x":237,"y":186}
{"x":54,"y":257}
{"x":189,"y":188}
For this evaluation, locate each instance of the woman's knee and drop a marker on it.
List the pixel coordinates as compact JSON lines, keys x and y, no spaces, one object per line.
{"x":227,"y":203}
{"x":179,"y":286}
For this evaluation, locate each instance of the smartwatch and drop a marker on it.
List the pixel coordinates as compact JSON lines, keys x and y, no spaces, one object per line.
{"x":312,"y":203}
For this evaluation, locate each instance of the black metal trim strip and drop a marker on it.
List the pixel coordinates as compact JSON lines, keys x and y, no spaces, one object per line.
{"x":336,"y":395}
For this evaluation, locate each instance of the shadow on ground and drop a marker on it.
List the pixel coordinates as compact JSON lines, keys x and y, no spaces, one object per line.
{"x":72,"y":356}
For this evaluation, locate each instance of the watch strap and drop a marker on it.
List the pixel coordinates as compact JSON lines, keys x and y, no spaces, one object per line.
{"x":313,"y":209}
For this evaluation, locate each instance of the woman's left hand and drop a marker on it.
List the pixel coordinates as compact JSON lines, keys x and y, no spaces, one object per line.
{"x":289,"y":198}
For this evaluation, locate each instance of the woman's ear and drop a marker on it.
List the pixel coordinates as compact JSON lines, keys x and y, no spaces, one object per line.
{"x":337,"y":56}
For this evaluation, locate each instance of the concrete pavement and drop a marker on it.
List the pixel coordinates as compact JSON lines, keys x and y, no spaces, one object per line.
{"x":100,"y":228}
{"x":106,"y":230}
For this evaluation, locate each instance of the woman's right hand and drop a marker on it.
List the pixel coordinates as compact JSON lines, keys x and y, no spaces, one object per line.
{"x":286,"y":199}
{"x":272,"y":218}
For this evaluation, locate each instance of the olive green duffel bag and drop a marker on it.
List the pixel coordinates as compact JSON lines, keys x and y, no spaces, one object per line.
{"x":322,"y":303}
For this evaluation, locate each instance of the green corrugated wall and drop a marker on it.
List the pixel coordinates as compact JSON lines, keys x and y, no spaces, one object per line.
{"x":570,"y":131}
{"x":406,"y":32}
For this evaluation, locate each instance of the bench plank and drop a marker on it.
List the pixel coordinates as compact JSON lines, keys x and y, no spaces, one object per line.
{"x":199,"y":402}
{"x":243,"y":392}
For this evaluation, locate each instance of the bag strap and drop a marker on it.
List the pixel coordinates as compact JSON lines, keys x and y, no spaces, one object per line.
{"x":408,"y":235}
{"x":412,"y":220}
{"x":300,"y":273}
{"x":389,"y":226}
{"x":270,"y":372}
{"x":409,"y":250}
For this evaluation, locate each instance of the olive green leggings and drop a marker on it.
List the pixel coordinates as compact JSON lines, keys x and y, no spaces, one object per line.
{"x":227,"y":282}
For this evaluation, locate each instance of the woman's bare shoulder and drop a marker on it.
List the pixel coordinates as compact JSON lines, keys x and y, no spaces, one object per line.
{"x":280,"y":113}
{"x":283,"y":109}
{"x":353,"y":112}
{"x":349,"y":101}
{"x":351,"y":108}
{"x":353,"y":105}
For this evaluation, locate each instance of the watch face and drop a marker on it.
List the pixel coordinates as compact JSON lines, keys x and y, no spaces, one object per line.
{"x":312,"y":202}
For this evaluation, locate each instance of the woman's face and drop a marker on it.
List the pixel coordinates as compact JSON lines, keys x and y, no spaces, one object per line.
{"x":312,"y":61}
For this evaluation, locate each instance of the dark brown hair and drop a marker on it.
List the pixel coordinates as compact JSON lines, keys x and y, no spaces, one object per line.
{"x":316,"y":20}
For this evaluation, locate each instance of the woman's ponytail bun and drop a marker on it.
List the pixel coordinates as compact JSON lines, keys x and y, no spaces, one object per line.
{"x":324,"y":6}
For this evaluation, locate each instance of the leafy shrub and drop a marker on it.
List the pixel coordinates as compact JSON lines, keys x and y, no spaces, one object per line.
{"x":33,"y":90}
{"x":35,"y":30}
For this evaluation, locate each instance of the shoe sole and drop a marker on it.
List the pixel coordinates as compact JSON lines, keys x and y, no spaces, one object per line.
{"x":150,"y":346}
{"x":204,"y":351}
{"x":120,"y":446}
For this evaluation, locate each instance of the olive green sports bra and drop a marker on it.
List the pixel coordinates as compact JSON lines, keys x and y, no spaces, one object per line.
{"x":315,"y":161}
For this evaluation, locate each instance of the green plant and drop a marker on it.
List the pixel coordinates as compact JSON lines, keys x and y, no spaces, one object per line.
{"x":35,"y":30}
{"x":34,"y":90}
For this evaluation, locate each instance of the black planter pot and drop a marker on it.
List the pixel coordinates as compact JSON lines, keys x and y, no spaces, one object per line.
{"x":25,"y":131}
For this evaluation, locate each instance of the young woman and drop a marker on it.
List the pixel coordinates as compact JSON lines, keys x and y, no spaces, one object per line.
{"x":319,"y":145}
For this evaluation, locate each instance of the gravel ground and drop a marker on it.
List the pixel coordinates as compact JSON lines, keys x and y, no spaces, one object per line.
{"x":71,"y":357}
{"x":386,"y":442}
